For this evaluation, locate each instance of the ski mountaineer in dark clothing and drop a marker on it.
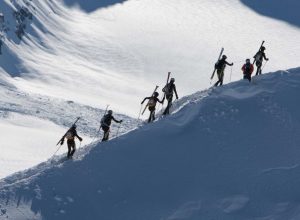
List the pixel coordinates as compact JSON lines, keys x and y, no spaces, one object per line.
{"x":169,"y":89}
{"x":247,"y":70}
{"x":70,"y":136}
{"x":151,"y":105}
{"x":258,"y":58}
{"x":106,"y":122}
{"x":220,"y":67}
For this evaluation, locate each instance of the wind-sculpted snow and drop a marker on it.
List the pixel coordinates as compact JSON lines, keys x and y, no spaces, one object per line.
{"x":229,"y":153}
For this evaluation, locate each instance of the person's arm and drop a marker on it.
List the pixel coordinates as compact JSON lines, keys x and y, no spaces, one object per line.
{"x":264,"y":56}
{"x":229,"y":64}
{"x":145,"y":100}
{"x":115,"y":120}
{"x":159,"y":100}
{"x":175,"y":91}
{"x":76,"y":135}
{"x":251,"y":69}
{"x":243,"y":68}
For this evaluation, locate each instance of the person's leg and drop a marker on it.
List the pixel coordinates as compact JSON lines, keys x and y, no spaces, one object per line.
{"x":73,"y":146}
{"x":106,"y":133}
{"x":69,"y":148}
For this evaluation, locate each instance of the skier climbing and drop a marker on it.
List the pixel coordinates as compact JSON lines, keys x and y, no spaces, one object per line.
{"x":151,"y":105}
{"x":247,"y":70}
{"x":220,"y":67}
{"x":70,"y":136}
{"x":258,"y":59}
{"x":169,"y":89}
{"x":106,"y":122}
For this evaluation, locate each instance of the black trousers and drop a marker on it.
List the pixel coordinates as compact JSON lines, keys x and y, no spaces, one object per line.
{"x":71,"y":147}
{"x":247,"y":76}
{"x":106,"y":133}
{"x":258,"y":65}
{"x":170,"y":100}
{"x":220,"y":74}
{"x":152,"y":114}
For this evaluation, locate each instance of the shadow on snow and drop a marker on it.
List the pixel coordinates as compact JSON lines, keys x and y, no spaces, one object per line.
{"x":92,"y":5}
{"x":287,"y":10}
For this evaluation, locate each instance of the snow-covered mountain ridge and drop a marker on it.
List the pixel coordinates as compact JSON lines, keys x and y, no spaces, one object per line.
{"x":229,"y":153}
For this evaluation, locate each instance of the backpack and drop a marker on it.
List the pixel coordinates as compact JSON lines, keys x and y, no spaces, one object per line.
{"x":167,"y":89}
{"x":248,"y":68}
{"x":219,"y":65}
{"x":152,"y":102}
{"x":258,"y":56}
{"x":70,"y":135}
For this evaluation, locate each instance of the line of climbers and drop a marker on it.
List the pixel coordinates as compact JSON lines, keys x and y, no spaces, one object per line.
{"x":247,"y":68}
{"x":168,"y":91}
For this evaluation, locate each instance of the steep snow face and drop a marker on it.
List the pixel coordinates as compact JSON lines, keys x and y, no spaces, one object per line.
{"x":229,"y":153}
{"x":118,"y":54}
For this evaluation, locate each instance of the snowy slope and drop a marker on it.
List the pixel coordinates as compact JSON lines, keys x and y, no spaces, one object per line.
{"x":229,"y":153}
{"x":31,"y":125}
{"x":117,"y":53}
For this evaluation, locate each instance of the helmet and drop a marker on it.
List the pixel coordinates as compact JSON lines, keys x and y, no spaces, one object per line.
{"x":247,"y":60}
{"x":74,"y":126}
{"x":172,"y":80}
{"x":110,"y":112}
{"x":263,"y":48}
{"x":155,"y":94}
{"x":224,"y":57}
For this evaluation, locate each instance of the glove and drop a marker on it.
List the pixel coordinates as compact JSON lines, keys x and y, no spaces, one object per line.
{"x":267,"y":59}
{"x":80,"y":139}
{"x":231,"y":64}
{"x":121,"y":121}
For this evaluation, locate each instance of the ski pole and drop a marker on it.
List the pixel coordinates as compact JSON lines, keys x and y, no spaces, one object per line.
{"x":230,"y":74}
{"x":264,"y":65}
{"x":56,"y":150}
{"x":118,"y":130}
{"x":140,"y":112}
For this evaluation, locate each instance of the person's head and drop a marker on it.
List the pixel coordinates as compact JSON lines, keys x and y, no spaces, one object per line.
{"x":73,"y":126}
{"x":110,"y":112}
{"x":247,"y":60}
{"x":224,"y":57}
{"x":172,"y":80}
{"x":263,"y":48}
{"x":155,"y":94}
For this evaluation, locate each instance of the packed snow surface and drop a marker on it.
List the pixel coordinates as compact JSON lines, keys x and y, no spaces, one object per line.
{"x":229,"y":153}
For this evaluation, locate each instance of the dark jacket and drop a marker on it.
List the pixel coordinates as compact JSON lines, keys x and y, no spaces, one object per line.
{"x":106,"y":120}
{"x":169,"y":89}
{"x":220,"y":65}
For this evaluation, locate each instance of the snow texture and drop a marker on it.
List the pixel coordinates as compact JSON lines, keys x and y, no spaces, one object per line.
{"x":229,"y":153}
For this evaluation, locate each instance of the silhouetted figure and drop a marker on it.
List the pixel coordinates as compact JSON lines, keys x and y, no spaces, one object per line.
{"x":169,"y":90}
{"x":151,"y":105}
{"x":247,"y":70}
{"x":70,"y":136}
{"x":259,"y":57}
{"x":220,"y":67}
{"x":106,"y":122}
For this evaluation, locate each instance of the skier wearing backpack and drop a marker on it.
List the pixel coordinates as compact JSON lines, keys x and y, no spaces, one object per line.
{"x":169,"y":90}
{"x":151,"y":105}
{"x":106,"y":122}
{"x":258,"y":59}
{"x":70,"y":136}
{"x":220,"y":67}
{"x":247,"y":70}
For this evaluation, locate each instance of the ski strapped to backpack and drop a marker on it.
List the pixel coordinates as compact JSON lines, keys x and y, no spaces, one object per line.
{"x":156,"y":87}
{"x":258,"y":51}
{"x":212,"y":75}
{"x":67,"y":132}
{"x":163,"y":100}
